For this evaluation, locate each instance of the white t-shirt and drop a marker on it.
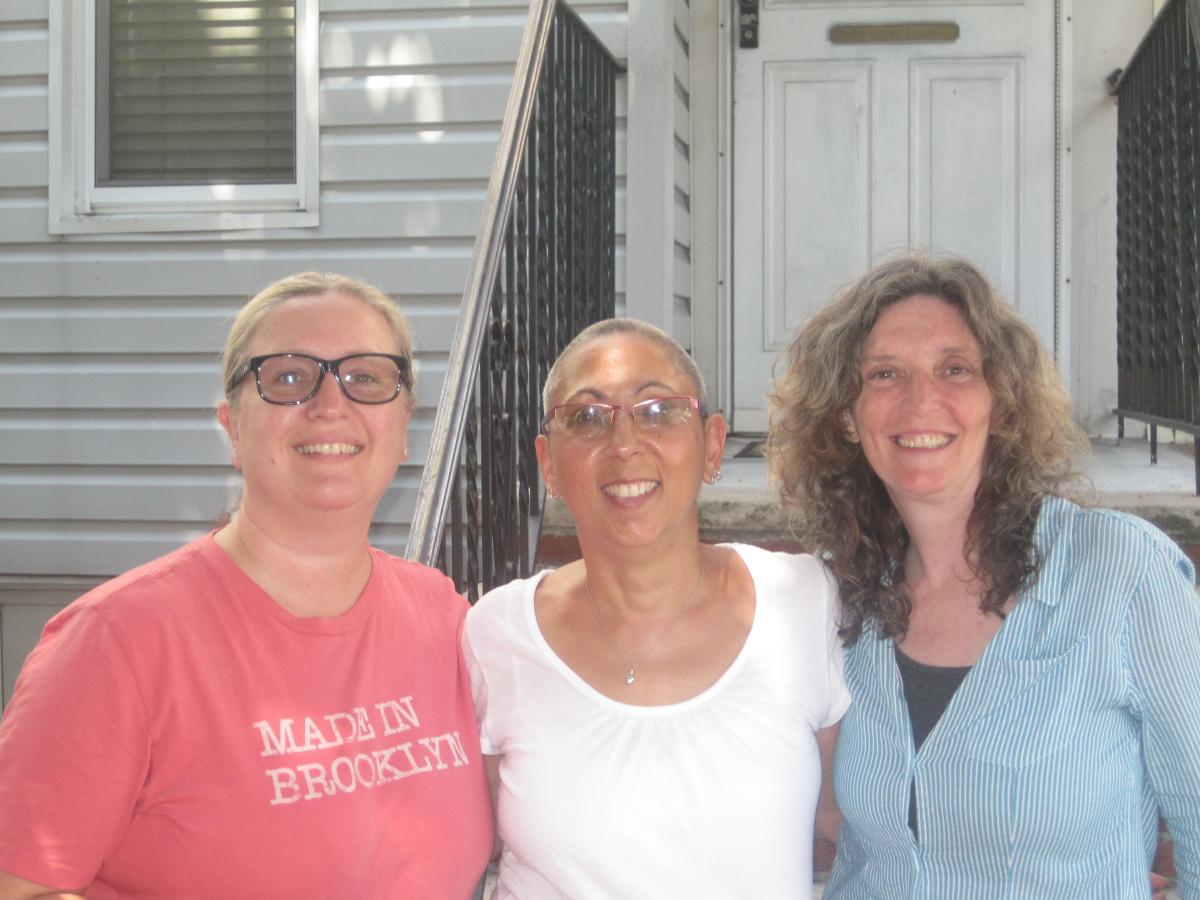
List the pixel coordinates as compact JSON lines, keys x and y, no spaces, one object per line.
{"x":711,"y":797}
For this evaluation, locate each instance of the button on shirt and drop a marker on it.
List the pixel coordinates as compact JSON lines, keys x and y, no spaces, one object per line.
{"x":1045,"y":776}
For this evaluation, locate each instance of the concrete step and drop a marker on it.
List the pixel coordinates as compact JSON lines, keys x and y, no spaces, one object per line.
{"x":743,"y":507}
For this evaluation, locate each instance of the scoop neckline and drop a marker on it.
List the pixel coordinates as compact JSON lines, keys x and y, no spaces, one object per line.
{"x":635,"y":709}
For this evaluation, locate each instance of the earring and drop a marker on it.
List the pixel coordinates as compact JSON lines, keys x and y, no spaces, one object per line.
{"x":714,"y":477}
{"x":553,"y":493}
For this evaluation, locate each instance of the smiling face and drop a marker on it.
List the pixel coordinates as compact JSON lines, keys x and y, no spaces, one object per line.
{"x":329,"y":454}
{"x":630,"y":485}
{"x":924,"y":411}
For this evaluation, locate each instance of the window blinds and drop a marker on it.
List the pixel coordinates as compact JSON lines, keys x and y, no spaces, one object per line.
{"x":195,"y":92}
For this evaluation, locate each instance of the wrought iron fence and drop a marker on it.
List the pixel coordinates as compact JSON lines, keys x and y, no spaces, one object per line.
{"x":542,"y":269}
{"x":1158,"y":190}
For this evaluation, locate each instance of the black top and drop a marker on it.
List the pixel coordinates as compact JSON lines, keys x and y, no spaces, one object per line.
{"x":927,"y":692}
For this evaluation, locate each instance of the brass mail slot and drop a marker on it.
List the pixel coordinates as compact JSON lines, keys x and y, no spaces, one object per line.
{"x":895,"y":33}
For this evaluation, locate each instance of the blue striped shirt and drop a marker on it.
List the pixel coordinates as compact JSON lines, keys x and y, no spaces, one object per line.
{"x":1046,"y":774}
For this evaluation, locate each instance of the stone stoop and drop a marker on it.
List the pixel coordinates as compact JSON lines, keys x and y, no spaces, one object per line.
{"x":743,"y":507}
{"x":755,"y":517}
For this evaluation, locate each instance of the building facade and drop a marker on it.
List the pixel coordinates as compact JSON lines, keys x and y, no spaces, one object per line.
{"x":750,"y":180}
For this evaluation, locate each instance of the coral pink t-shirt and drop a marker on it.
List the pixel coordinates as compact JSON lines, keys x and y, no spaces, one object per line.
{"x":177,"y":733}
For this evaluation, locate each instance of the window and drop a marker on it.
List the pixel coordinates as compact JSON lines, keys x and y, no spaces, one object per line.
{"x":182,"y":115}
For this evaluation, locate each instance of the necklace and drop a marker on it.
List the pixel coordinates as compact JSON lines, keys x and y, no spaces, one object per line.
{"x":631,"y":667}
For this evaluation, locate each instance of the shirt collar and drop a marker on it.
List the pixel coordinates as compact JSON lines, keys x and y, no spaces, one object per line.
{"x":1053,"y":536}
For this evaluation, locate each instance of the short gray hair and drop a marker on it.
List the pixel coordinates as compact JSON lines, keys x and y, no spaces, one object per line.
{"x":675,"y":354}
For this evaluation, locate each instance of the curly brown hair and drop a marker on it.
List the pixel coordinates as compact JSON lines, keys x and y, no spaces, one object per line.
{"x":842,"y":509}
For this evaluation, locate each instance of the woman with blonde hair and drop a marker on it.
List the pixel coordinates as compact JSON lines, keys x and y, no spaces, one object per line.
{"x":1025,"y":671}
{"x":276,"y":708}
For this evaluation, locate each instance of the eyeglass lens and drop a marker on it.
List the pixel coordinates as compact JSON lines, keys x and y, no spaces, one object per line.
{"x":365,"y":378}
{"x":589,"y":419}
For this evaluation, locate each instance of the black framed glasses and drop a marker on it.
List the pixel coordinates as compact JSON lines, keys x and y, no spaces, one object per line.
{"x":293,"y":378}
{"x":590,"y":420}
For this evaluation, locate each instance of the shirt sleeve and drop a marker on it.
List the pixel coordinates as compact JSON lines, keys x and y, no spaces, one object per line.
{"x":74,"y":750}
{"x":479,"y":687}
{"x":1164,"y":651}
{"x":839,"y":693}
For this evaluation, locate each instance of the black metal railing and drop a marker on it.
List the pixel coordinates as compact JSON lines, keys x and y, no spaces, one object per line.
{"x":543,"y":268}
{"x":1158,"y":190}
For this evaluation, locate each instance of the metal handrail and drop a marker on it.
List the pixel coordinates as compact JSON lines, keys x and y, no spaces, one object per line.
{"x":542,"y":269}
{"x":425,"y":533}
{"x":1118,"y":76}
{"x":1158,"y":189}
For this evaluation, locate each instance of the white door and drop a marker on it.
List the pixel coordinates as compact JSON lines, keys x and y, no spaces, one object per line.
{"x":848,"y":144}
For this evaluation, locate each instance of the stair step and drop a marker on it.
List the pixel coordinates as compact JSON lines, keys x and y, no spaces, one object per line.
{"x":559,"y":546}
{"x":743,"y":507}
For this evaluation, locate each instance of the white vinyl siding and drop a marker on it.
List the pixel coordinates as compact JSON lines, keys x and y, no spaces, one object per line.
{"x":109,"y":343}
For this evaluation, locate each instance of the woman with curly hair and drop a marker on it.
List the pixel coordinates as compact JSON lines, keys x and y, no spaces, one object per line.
{"x":1025,"y":672}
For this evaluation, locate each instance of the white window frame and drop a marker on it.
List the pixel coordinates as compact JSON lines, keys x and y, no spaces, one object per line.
{"x":78,"y":206}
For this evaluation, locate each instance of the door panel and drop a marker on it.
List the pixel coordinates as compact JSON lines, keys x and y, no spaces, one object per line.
{"x":965,"y":146}
{"x":818,"y":169}
{"x":843,"y":153}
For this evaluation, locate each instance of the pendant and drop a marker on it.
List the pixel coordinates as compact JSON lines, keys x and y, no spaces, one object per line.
{"x":629,"y":679}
